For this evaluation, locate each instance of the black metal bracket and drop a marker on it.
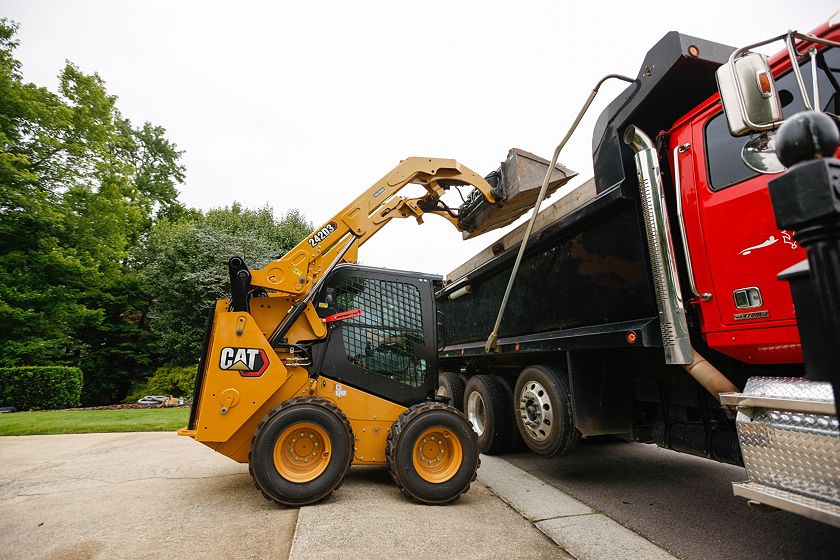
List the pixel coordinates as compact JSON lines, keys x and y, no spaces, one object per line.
{"x":240,"y":284}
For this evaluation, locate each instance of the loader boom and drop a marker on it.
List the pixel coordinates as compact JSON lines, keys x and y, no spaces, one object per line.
{"x":298,"y":271}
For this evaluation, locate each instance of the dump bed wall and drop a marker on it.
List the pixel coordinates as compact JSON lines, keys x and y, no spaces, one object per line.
{"x":588,"y":268}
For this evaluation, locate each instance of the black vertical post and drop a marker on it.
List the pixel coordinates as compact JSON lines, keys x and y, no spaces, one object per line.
{"x":806,"y":199}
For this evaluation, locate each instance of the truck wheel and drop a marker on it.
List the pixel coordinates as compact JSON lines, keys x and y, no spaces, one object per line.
{"x":301,"y":451}
{"x":432,"y":453}
{"x":450,"y":385}
{"x":544,"y":415}
{"x":489,"y":411}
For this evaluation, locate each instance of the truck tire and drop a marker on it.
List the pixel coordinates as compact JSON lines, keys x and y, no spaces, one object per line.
{"x":516,"y":443}
{"x":450,"y":385}
{"x":489,"y":411}
{"x":544,"y":411}
{"x":432,"y":453}
{"x":301,"y":451}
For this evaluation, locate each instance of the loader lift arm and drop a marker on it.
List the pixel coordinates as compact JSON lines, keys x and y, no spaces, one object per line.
{"x":299,"y":272}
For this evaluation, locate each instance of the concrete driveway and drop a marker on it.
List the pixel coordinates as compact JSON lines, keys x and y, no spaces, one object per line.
{"x":155,"y":495}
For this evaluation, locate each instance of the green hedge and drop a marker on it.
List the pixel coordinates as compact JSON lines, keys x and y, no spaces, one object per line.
{"x":40,"y":387}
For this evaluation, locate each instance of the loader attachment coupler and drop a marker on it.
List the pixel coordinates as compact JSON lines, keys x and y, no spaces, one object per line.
{"x":517,"y":182}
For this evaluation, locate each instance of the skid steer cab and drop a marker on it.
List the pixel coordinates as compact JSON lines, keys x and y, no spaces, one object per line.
{"x":356,"y":387}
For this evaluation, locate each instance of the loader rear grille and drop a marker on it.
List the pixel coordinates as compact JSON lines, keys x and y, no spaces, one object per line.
{"x":387,"y":339}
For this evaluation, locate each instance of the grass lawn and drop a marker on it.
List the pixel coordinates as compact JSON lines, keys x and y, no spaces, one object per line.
{"x":87,"y":421}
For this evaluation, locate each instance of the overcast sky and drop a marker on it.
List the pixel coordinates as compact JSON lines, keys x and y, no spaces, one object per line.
{"x":306,"y":104}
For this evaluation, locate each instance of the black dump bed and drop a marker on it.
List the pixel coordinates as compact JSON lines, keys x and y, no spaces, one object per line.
{"x":585,"y":281}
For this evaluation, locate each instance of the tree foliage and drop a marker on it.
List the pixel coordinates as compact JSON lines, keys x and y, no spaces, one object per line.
{"x":88,"y":201}
{"x":185,"y":267}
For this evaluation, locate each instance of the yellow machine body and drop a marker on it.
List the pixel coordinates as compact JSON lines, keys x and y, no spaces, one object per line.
{"x":233,"y":404}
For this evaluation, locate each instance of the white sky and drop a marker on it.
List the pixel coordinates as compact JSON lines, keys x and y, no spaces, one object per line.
{"x":306,"y":104}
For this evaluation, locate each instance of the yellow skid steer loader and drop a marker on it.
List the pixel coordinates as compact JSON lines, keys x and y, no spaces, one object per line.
{"x":315,"y":364}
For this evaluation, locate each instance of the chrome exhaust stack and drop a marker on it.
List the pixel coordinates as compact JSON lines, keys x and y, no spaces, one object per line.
{"x":672,"y":322}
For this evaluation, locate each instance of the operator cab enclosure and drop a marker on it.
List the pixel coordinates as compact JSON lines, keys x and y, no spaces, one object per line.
{"x":390,"y":348}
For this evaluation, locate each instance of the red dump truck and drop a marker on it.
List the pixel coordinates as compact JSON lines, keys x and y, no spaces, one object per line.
{"x":648,"y":301}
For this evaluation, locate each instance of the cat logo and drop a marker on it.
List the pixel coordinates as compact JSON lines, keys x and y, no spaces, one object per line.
{"x":249,"y":362}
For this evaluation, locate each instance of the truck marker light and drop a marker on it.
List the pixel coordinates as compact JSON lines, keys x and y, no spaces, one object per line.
{"x":693,"y":51}
{"x":631,"y":337}
{"x":764,"y":84}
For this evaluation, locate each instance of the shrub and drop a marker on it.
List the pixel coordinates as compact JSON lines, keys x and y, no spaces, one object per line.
{"x":40,"y":387}
{"x":173,"y":380}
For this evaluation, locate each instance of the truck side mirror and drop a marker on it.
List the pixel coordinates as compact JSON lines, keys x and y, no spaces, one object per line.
{"x":749,"y":95}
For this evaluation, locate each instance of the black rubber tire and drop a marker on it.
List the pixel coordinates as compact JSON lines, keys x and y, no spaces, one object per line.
{"x":452,"y":387}
{"x":498,"y":433}
{"x":399,"y":449}
{"x":554,"y":415}
{"x":261,"y":454}
{"x":516,"y":443}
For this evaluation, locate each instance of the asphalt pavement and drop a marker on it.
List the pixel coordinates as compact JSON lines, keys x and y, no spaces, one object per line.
{"x":682,"y":503}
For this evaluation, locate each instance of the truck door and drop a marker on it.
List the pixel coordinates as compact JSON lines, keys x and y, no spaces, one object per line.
{"x":750,"y":315}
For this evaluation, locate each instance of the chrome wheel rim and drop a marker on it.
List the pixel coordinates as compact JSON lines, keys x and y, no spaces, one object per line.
{"x":535,"y":411}
{"x":476,"y":412}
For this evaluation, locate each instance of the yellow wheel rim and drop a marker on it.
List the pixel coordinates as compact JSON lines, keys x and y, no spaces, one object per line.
{"x":437,"y":455}
{"x":302,"y":452}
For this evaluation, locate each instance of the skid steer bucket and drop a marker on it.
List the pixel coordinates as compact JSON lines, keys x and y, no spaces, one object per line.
{"x":519,"y":178}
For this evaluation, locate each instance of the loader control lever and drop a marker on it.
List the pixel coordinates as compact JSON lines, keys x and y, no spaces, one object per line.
{"x":343,"y":315}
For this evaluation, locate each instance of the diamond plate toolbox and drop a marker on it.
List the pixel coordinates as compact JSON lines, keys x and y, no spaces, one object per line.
{"x":794,"y":451}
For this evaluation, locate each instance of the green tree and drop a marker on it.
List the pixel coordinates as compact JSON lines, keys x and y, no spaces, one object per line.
{"x":185,"y":267}
{"x":80,"y":187}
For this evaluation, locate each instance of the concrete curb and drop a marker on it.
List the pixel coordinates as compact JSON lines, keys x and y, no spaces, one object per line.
{"x":580,"y":530}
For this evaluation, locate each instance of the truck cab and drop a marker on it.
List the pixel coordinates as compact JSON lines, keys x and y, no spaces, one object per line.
{"x":733,"y":245}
